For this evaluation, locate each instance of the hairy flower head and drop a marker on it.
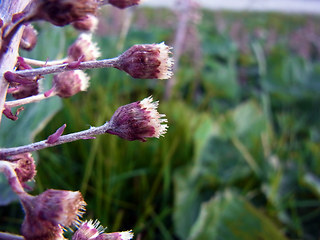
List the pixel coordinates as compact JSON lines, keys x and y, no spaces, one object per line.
{"x":84,"y":47}
{"x":67,"y":84}
{"x":147,"y":61}
{"x":47,"y":212}
{"x":138,"y":121}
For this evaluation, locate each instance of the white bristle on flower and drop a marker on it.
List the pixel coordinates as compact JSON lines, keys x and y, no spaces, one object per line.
{"x":85,"y":80}
{"x":166,"y":64}
{"x":156,"y":119}
{"x":126,"y":235}
{"x":84,"y":46}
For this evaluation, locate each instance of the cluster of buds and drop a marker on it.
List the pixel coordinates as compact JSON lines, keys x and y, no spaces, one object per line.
{"x":49,"y":213}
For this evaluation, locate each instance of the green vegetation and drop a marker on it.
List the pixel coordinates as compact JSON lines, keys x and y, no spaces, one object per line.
{"x":241,"y":159}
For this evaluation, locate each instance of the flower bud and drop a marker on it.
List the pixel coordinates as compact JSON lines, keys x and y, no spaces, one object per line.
{"x":47,"y":212}
{"x":84,"y":46}
{"x":29,"y":38}
{"x":24,"y":166}
{"x":67,"y":84}
{"x":147,"y":61}
{"x":63,"y":12}
{"x":89,"y":23}
{"x":25,"y":90}
{"x":138,"y":121}
{"x":88,"y":230}
{"x":124,"y":3}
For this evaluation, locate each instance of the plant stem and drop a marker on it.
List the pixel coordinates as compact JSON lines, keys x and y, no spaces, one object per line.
{"x":10,"y":236}
{"x":44,"y":63}
{"x":9,"y":58}
{"x":24,"y":101}
{"x":12,"y":177}
{"x":105,"y":63}
{"x":86,"y":134}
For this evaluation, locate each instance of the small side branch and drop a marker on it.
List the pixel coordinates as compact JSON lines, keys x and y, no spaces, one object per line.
{"x":5,"y":153}
{"x":105,"y":63}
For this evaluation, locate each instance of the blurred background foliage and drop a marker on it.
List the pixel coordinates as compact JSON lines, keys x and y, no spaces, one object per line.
{"x":241,"y":159}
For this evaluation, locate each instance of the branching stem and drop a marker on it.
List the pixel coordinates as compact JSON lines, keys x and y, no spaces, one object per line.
{"x":105,"y":63}
{"x":40,"y":63}
{"x":86,"y":134}
{"x":27,"y":100}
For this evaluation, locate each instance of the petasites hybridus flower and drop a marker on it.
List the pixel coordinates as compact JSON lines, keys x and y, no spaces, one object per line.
{"x":24,"y":166}
{"x":67,"y":84}
{"x":88,"y":230}
{"x":92,"y":230}
{"x":138,"y":121}
{"x":147,"y":61}
{"x":29,"y":38}
{"x":46,"y":213}
{"x":83,"y":47}
{"x":123,"y":3}
{"x":88,"y":24}
{"x":61,"y":12}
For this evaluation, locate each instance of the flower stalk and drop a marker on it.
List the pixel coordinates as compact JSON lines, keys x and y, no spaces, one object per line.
{"x":86,"y":134}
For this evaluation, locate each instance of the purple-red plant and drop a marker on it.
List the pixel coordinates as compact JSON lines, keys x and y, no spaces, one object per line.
{"x":49,"y":213}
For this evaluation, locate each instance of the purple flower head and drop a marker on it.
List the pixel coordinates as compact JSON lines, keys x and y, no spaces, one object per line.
{"x":88,"y":230}
{"x":147,"y":61}
{"x":24,"y":166}
{"x":67,"y":84}
{"x":29,"y":38}
{"x":124,"y":3}
{"x":88,"y":24}
{"x":62,"y":12}
{"x":47,"y":212}
{"x":84,"y":46}
{"x":138,"y":121}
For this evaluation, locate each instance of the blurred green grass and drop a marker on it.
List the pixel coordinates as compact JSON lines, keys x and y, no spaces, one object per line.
{"x":241,"y":156}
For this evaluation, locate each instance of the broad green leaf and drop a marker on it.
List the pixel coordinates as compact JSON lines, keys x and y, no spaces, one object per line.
{"x":229,"y":216}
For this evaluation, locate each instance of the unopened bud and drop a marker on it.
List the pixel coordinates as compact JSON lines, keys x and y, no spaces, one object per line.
{"x":47,"y":212}
{"x":29,"y":38}
{"x":89,"y":23}
{"x":67,"y":84}
{"x":88,"y":230}
{"x":63,"y":12}
{"x":26,"y":90}
{"x":84,"y":47}
{"x":24,"y":166}
{"x":147,"y":61}
{"x":138,"y":121}
{"x":124,"y":3}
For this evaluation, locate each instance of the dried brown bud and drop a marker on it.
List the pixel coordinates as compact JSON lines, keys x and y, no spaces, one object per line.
{"x":24,"y":166}
{"x":124,"y":3}
{"x":83,"y":46}
{"x":88,"y":23}
{"x":47,"y":212}
{"x":63,"y":12}
{"x":67,"y":84}
{"x":138,"y":121}
{"x":29,"y":38}
{"x":147,"y":61}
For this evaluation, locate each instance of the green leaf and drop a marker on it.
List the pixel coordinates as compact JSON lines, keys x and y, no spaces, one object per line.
{"x":230,"y":216}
